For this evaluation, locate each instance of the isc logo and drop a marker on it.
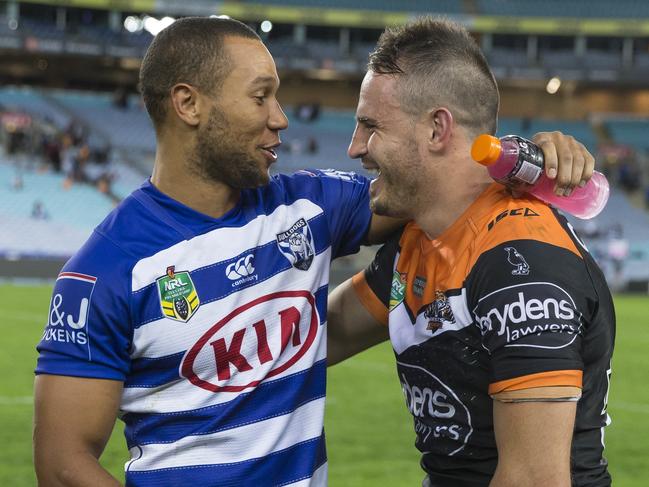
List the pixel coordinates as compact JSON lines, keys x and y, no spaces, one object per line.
{"x":258,"y":340}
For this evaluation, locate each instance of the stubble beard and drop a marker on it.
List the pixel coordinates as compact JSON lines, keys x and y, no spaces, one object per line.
{"x":219,"y":156}
{"x":399,"y":196}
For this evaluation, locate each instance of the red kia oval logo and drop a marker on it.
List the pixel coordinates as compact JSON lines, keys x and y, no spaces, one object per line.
{"x":258,"y":340}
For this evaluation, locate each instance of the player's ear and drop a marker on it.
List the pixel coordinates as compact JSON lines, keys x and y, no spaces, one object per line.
{"x":186,"y":103}
{"x":438,"y":124}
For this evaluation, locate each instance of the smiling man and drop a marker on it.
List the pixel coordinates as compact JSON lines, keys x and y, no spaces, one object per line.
{"x":501,"y":322}
{"x":196,"y":312}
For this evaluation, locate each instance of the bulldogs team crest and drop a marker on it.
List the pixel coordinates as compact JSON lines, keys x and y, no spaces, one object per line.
{"x":438,"y":312}
{"x":178,"y":297}
{"x":296,"y":244}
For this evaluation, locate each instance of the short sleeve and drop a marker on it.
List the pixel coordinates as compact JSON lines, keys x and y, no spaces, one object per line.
{"x":345,"y":199}
{"x":88,"y":327}
{"x":532,"y":302}
{"x":373,"y":286}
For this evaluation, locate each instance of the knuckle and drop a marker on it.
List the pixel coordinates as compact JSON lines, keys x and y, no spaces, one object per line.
{"x":566,"y":156}
{"x":579,"y":161}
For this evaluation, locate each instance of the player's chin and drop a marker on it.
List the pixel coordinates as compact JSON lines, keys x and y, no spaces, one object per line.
{"x":263,"y":181}
{"x":384,"y":207}
{"x":378,"y":207}
{"x":263,"y":176}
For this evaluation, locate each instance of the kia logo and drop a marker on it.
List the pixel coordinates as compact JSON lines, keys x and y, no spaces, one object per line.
{"x":274,"y":330}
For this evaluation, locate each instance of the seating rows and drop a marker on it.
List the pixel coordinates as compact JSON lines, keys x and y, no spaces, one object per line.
{"x":32,"y":102}
{"x":565,"y":8}
{"x":419,"y":6}
{"x":522,"y":8}
{"x":630,"y":132}
{"x":64,"y":224}
{"x":126,"y":128}
{"x":131,"y":130}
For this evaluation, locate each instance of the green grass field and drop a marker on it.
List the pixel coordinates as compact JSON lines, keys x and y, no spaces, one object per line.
{"x":370,"y":437}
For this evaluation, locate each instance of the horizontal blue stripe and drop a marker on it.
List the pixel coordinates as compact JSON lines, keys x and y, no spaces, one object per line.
{"x":269,"y":399}
{"x":154,"y":372}
{"x":280,"y":468}
{"x":211,"y":282}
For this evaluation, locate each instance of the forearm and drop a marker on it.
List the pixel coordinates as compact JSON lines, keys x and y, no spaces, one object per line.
{"x":528,"y":476}
{"x":67,"y":446}
{"x":350,"y":327}
{"x":72,"y":470}
{"x":339,"y":349}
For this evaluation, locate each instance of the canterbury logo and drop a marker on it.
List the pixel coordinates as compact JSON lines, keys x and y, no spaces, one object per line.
{"x":241,"y":268}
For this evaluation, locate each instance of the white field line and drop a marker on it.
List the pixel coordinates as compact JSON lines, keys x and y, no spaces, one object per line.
{"x":9,"y":316}
{"x":16,"y":400}
{"x":632,"y":407}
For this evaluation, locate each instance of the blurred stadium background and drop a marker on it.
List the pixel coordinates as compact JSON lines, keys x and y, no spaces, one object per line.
{"x":75,"y":139}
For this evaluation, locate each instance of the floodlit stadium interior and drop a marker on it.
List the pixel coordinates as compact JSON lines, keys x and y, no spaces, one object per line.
{"x":69,"y":80}
{"x":75,"y":138}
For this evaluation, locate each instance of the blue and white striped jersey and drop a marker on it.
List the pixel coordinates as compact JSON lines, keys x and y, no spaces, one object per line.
{"x":216,"y":326}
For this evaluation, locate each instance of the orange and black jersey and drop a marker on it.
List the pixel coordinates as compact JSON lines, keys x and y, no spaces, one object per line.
{"x":507,"y":304}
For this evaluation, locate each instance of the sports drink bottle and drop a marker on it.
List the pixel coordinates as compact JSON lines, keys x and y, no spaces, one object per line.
{"x":518,"y":163}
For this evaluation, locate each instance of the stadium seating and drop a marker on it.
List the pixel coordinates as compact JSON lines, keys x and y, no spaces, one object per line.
{"x":101,"y":35}
{"x":128,"y":128}
{"x":437,"y":6}
{"x":34,"y":103}
{"x":68,"y":223}
{"x":635,"y":226}
{"x":630,"y":132}
{"x":565,"y":8}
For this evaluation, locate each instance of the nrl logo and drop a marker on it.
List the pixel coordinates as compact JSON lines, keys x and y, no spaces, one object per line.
{"x":178,"y":298}
{"x":296,"y":244}
{"x":397,"y":290}
{"x":438,"y":312}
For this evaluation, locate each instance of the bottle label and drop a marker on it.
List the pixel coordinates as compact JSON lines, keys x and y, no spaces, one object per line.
{"x":529,"y":166}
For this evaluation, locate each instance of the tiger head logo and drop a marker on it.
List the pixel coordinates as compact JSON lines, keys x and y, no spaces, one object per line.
{"x":438,"y":312}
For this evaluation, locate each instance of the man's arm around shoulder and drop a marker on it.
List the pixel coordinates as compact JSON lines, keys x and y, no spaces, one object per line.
{"x":381,"y":228}
{"x":73,"y":420}
{"x":350,"y":326}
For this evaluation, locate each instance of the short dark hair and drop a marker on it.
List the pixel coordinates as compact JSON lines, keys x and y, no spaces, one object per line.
{"x":188,"y":51}
{"x":438,"y":62}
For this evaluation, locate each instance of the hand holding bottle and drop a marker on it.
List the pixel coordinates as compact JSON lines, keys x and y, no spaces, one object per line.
{"x":519,"y":164}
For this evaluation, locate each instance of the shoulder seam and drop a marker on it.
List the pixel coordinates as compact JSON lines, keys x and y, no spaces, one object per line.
{"x":134,"y":259}
{"x":184,"y":237}
{"x":114,"y":243}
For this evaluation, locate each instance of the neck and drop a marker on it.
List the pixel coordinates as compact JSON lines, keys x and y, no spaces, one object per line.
{"x":452,"y":196}
{"x":172,"y":176}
